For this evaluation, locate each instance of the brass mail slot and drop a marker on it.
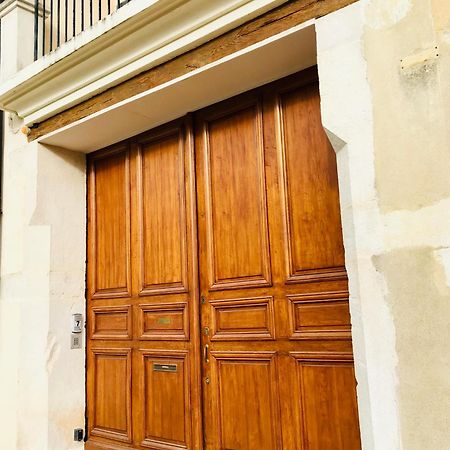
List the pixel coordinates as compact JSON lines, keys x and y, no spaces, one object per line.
{"x":165,"y":367}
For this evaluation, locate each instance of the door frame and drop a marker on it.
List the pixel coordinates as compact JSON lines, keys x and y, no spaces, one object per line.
{"x":190,"y":168}
{"x":364,"y":402}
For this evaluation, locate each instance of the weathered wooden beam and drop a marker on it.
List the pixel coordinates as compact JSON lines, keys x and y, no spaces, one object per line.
{"x":273,"y":22}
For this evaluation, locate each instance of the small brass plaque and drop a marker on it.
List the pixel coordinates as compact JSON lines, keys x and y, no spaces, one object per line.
{"x":165,"y":367}
{"x":164,"y":320}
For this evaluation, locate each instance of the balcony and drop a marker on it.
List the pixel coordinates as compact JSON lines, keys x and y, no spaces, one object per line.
{"x":62,"y":52}
{"x":58,"y":21}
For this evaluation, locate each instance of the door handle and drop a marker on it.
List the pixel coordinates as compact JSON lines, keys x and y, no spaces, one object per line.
{"x":206,"y":353}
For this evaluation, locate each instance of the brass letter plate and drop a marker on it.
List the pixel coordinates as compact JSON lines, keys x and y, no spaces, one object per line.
{"x":164,"y":320}
{"x":165,"y":367}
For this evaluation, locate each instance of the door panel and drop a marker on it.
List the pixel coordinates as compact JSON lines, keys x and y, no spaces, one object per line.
{"x":110,"y":231}
{"x":244,"y":391}
{"x":242,"y":319}
{"x":235,"y":209}
{"x":111,"y":322}
{"x":267,"y":192}
{"x":143,"y":371}
{"x":111,"y":414}
{"x":163,"y":215}
{"x":319,"y":315}
{"x":217,"y":293}
{"x":313,"y":233}
{"x":329,"y":413}
{"x":164,"y":321}
{"x":166,"y":399}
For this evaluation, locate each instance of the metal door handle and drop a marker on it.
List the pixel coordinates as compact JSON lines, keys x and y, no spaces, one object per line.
{"x":205,"y":353}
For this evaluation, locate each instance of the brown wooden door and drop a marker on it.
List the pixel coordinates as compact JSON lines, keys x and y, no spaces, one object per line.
{"x":142,"y":352}
{"x":277,"y":367}
{"x":232,"y":333}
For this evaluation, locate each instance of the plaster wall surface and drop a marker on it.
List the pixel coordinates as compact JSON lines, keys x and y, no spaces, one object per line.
{"x":42,"y":284}
{"x":384,"y":68}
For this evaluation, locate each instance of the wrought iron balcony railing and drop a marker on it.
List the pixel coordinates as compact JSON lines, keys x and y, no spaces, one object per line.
{"x":58,"y":21}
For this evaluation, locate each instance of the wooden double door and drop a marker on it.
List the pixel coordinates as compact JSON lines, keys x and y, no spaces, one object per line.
{"x":218,"y":310}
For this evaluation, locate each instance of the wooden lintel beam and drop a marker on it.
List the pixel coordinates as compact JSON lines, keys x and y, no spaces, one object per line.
{"x":273,"y":22}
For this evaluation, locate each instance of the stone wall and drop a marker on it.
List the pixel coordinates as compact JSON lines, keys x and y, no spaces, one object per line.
{"x":42,"y":284}
{"x":384,"y":71}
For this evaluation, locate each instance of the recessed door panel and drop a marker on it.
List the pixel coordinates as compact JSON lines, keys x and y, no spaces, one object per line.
{"x":242,"y":319}
{"x":163,"y":321}
{"x":111,"y":322}
{"x":311,"y":198}
{"x":244,"y":384}
{"x":112,"y":394}
{"x":328,"y":402}
{"x":163,"y":214}
{"x":319,"y":315}
{"x":166,"y":399}
{"x":235,"y":199}
{"x":110,"y":219}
